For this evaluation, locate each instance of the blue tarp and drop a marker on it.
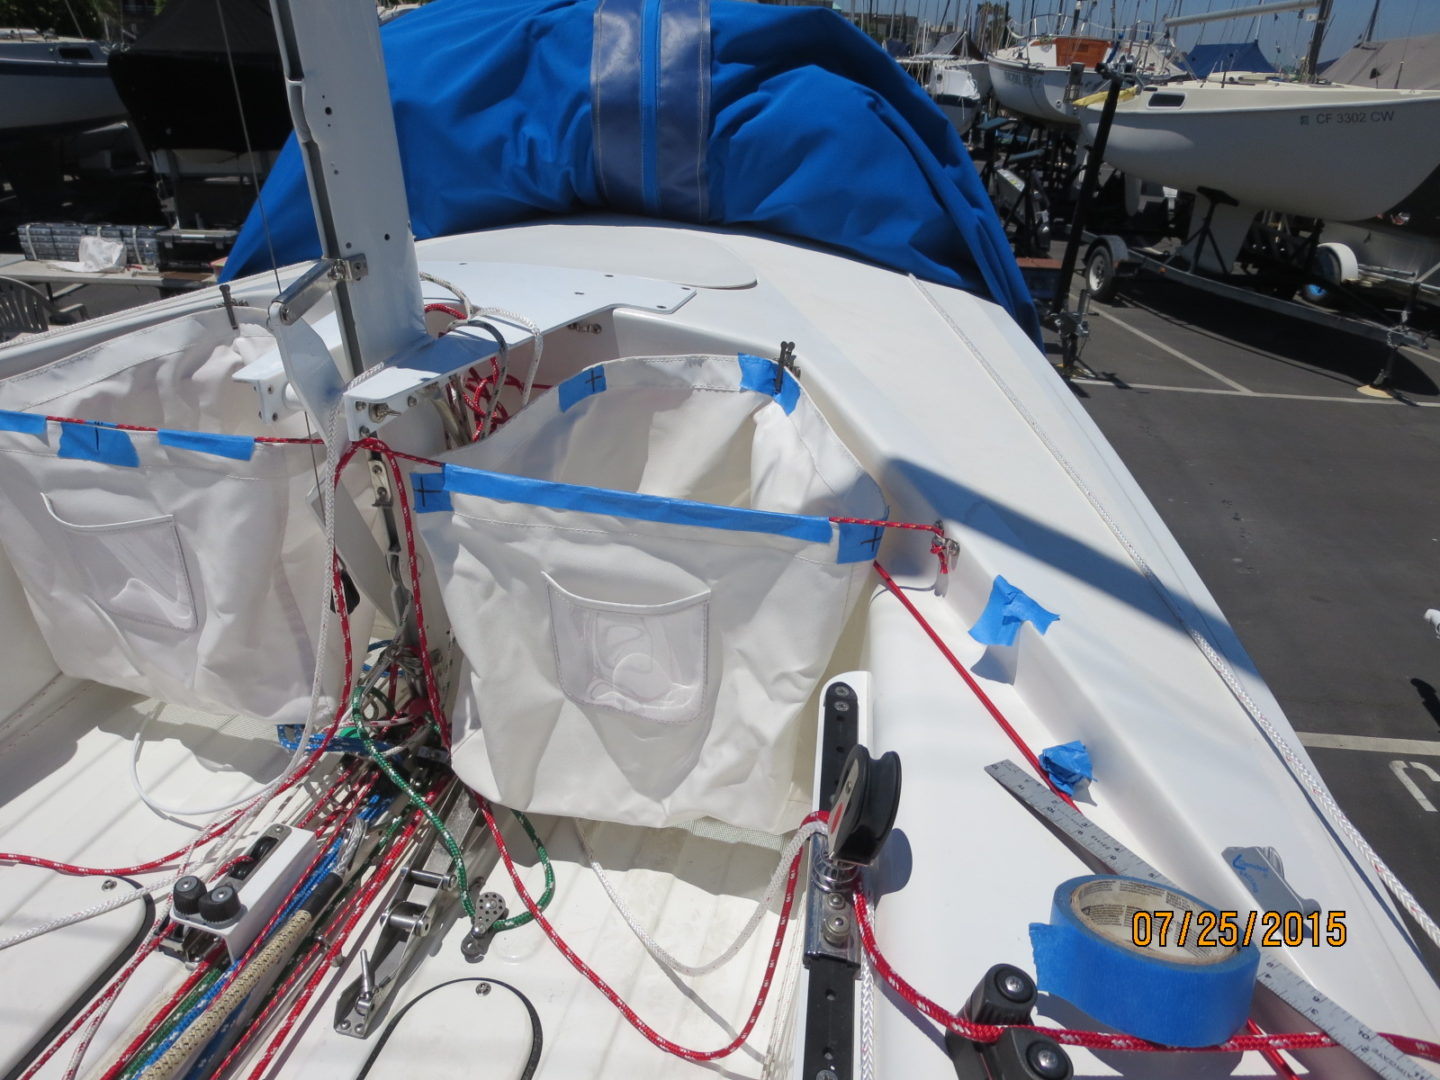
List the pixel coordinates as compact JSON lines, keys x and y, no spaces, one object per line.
{"x":799,"y":125}
{"x":1241,"y":56}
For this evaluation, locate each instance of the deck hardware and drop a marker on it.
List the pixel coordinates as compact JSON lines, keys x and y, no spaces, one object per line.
{"x":489,"y":909}
{"x":1005,"y":995}
{"x":229,"y":306}
{"x":785,"y":363}
{"x":235,"y":909}
{"x":423,"y":905}
{"x":862,"y":812}
{"x":302,"y":293}
{"x":1263,"y":873}
{"x":1372,"y":1049}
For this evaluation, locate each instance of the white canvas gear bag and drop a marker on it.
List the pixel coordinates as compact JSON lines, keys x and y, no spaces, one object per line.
{"x":642,"y":575}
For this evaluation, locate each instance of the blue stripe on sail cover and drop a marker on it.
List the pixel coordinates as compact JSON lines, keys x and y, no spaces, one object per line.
{"x":430,"y":493}
{"x":23,"y":422}
{"x":683,"y":126}
{"x":758,"y":374}
{"x":97,"y":442}
{"x":239,"y":447}
{"x":650,"y":105}
{"x":629,"y":504}
{"x":858,"y":542}
{"x":579,"y":387}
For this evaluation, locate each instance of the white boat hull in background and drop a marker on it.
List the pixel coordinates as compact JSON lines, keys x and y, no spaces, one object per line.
{"x":53,"y":85}
{"x":1037,"y":92}
{"x":955,"y":91}
{"x":1330,"y":152}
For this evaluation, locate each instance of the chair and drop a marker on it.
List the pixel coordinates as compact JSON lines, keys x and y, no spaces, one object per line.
{"x":26,"y":310}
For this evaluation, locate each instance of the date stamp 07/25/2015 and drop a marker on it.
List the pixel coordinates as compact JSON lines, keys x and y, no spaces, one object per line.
{"x":1229,"y":929}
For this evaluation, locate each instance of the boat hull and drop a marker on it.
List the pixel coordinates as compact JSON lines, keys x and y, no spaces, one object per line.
{"x":50,"y":87}
{"x":955,"y":91}
{"x":1037,"y":92}
{"x":1257,"y":144}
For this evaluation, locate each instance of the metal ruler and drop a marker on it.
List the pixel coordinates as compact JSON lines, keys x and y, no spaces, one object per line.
{"x":1371,"y":1048}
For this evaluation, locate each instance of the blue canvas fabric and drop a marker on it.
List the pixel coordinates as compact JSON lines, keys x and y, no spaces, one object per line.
{"x":1240,"y":56}
{"x":800,"y":127}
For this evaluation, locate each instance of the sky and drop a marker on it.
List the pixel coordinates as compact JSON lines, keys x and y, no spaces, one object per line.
{"x":1398,"y":18}
{"x":1286,"y":34}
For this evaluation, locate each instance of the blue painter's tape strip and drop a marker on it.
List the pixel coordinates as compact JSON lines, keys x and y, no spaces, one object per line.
{"x":629,"y":504}
{"x":858,"y":542}
{"x":430,"y":493}
{"x":1008,"y":609}
{"x":97,"y":442}
{"x":758,"y":374}
{"x":23,"y":422}
{"x":1136,"y":991}
{"x":238,"y":447}
{"x":579,"y":387}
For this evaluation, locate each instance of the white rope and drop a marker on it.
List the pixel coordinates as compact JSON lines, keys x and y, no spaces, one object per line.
{"x":89,"y":913}
{"x":777,"y":881}
{"x":867,"y":1018}
{"x":1298,"y":768}
{"x":534,"y":328}
{"x":464,"y":300}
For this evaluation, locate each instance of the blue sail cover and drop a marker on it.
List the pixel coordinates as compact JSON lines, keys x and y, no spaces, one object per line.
{"x":1243,"y":56}
{"x":782,"y":119}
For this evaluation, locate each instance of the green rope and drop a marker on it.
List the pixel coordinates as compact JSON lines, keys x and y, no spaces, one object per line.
{"x":524,"y":917}
{"x":457,"y":860}
{"x":163,"y":1031}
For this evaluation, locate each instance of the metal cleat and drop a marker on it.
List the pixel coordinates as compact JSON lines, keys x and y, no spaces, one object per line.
{"x":425,"y":901}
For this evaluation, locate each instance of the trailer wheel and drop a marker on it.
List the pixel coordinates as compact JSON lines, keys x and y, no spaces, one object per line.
{"x":1100,"y":274}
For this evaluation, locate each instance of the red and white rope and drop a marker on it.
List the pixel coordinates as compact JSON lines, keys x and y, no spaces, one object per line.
{"x":659,"y":952}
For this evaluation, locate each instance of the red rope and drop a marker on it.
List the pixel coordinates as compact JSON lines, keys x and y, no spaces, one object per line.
{"x":614,"y":998}
{"x":156,"y":1020}
{"x":357,"y":909}
{"x":938,"y":546}
{"x":112,"y":989}
{"x":137,"y":427}
{"x":974,"y":686}
{"x":432,"y":686}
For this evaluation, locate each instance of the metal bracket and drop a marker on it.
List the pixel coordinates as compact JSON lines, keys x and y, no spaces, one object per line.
{"x":302,"y":293}
{"x":786,"y":362}
{"x":489,"y":909}
{"x":427,"y":895}
{"x":552,"y":297}
{"x":1263,"y":873}
{"x":830,"y":930}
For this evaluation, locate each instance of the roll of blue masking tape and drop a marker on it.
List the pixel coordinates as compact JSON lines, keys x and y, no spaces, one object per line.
{"x":1183,"y":994}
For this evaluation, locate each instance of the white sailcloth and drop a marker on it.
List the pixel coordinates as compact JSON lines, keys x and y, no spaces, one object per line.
{"x":642,"y":575}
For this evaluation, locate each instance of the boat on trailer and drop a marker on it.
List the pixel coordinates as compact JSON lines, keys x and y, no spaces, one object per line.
{"x":685,"y":645}
{"x":1251,"y":140}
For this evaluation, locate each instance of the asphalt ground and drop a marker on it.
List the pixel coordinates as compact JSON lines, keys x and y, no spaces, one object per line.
{"x":1312,"y":512}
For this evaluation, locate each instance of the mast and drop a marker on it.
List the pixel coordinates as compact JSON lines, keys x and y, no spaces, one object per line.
{"x":340,"y":102}
{"x":1316,"y":40}
{"x":1370,"y":26}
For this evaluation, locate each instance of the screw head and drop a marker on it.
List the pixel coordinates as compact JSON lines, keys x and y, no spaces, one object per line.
{"x":482,"y":988}
{"x":1013,"y":985}
{"x":359,"y":406}
{"x":412,"y":401}
{"x":834,"y":900}
{"x":108,"y":884}
{"x":827,"y":1074}
{"x":1047,"y":1060}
